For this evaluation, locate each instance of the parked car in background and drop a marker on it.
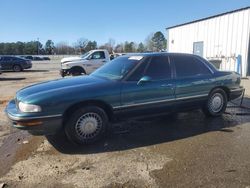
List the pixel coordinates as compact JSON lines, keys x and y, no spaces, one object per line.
{"x":13,"y":63}
{"x":84,"y":64}
{"x":37,"y":58}
{"x":46,"y":58}
{"x":129,"y":86}
{"x":29,"y":57}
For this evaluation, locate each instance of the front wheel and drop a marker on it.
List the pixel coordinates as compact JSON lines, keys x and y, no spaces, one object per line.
{"x":86,"y":125}
{"x":76,"y":71}
{"x":216,"y":103}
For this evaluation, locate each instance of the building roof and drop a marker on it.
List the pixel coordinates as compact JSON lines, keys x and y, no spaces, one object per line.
{"x":217,"y":15}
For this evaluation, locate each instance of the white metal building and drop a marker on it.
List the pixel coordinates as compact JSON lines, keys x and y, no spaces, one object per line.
{"x":223,"y":38}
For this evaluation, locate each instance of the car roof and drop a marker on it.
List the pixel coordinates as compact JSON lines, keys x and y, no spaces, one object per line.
{"x":150,"y":54}
{"x":18,"y":57}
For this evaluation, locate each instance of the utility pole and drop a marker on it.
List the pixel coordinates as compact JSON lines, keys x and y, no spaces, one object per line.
{"x":37,"y":46}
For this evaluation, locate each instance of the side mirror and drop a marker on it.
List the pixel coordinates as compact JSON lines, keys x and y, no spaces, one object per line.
{"x":144,"y":79}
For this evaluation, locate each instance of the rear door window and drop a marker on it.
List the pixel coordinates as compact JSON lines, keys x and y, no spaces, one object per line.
{"x":7,"y":58}
{"x":188,"y":66}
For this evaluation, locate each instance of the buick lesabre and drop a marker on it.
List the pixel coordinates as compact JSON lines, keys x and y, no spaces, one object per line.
{"x":130,"y":86}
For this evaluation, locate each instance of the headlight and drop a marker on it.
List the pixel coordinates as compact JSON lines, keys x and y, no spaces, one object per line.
{"x":65,"y":66}
{"x":29,"y":107}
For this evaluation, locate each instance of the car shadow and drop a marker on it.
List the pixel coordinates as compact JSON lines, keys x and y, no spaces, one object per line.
{"x":12,"y":79}
{"x":26,"y":70}
{"x":162,"y":129}
{"x":35,"y":70}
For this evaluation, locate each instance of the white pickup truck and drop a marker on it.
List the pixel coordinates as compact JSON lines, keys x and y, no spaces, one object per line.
{"x":84,"y":64}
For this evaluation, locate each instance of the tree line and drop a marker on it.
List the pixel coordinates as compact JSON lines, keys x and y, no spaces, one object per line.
{"x":154,"y":42}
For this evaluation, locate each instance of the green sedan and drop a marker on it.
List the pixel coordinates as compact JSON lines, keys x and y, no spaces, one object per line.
{"x":134,"y":85}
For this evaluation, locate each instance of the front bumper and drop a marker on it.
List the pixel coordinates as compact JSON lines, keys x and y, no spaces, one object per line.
{"x":235,"y":93}
{"x":34,"y":124}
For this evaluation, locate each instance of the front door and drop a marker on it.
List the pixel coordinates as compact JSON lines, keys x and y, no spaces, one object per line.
{"x":155,"y":94}
{"x":96,"y":61}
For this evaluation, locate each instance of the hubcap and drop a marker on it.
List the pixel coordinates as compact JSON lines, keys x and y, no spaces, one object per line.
{"x":16,"y":68}
{"x":216,"y":102}
{"x":88,"y":125}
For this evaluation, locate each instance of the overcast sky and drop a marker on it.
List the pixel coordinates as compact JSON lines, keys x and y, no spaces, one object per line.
{"x":132,"y":20}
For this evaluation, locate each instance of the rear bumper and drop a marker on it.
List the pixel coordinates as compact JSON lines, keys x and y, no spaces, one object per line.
{"x":235,"y":93}
{"x":36,"y":125}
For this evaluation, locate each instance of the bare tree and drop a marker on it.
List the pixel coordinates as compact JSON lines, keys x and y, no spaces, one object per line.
{"x":80,"y":45}
{"x":149,"y":44}
{"x":64,"y":48}
{"x":111,"y":43}
{"x":119,"y":48}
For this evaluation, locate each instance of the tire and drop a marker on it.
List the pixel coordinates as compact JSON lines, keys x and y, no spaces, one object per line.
{"x":76,"y":71}
{"x":17,"y":68}
{"x":86,"y":125}
{"x":216,"y":103}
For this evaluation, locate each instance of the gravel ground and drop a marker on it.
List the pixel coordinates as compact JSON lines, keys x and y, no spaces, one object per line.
{"x":189,"y":150}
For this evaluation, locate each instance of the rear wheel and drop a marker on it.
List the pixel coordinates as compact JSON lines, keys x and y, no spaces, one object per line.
{"x":216,"y":103}
{"x":17,"y":68}
{"x":86,"y":125}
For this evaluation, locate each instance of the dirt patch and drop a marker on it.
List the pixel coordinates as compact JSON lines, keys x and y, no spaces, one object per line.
{"x":13,"y":150}
{"x":128,"y":184}
{"x":47,"y":184}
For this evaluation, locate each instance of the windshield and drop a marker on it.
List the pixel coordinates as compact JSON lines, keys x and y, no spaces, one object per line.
{"x":85,"y":55}
{"x":117,"y":68}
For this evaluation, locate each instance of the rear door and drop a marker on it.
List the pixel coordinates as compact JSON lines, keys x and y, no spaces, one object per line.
{"x":154,"y":96}
{"x":7,"y":63}
{"x":193,"y":79}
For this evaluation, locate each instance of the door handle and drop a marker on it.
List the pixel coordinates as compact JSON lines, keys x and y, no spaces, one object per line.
{"x":104,"y":61}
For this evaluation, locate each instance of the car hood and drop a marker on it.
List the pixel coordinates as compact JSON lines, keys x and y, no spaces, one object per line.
{"x":76,"y":62}
{"x":56,"y":86}
{"x":67,"y":59}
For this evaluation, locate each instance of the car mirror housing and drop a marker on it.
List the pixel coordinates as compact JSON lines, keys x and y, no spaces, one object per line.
{"x":144,"y":79}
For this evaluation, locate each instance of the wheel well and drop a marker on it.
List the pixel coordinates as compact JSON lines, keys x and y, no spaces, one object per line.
{"x":107,"y":108}
{"x":17,"y":65}
{"x":224,"y":88}
{"x":78,"y":68}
